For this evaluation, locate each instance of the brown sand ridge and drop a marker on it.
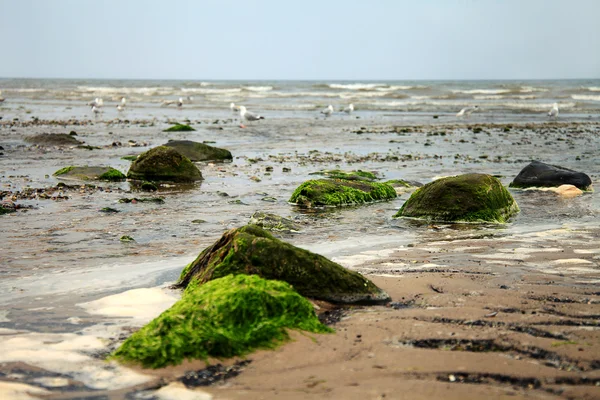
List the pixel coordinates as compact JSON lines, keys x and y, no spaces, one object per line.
{"x":473,"y":330}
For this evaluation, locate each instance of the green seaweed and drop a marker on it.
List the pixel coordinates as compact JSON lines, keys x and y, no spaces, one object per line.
{"x":462,"y":198}
{"x":64,"y":170}
{"x":179,"y":128}
{"x":112,"y":175}
{"x":340,"y":192}
{"x":4,"y":210}
{"x":227,"y":317}
{"x":252,"y":250}
{"x":196,"y":151}
{"x":129,"y":158}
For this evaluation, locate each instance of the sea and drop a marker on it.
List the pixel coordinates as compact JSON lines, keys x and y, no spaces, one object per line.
{"x":281,"y":99}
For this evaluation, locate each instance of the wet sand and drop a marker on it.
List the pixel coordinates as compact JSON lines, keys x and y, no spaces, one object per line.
{"x":494,"y":311}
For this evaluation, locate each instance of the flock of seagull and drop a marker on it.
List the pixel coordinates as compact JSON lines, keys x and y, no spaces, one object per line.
{"x":97,"y":104}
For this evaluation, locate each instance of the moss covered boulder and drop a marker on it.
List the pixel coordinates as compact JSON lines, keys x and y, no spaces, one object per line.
{"x":340,"y":192}
{"x":230,"y":316}
{"x":196,"y":151}
{"x":87,"y":173}
{"x":164,"y":164}
{"x":253,"y":251}
{"x":462,"y":198}
{"x":179,"y":128}
{"x":539,"y":174}
{"x":356,"y":175}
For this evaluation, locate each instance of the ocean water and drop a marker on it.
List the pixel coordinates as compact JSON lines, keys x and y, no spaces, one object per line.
{"x":278,"y":99}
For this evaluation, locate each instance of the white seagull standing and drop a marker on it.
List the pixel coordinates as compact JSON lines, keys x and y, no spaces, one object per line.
{"x":180,"y":102}
{"x":121,"y":107}
{"x":234,"y":108}
{"x":97,"y":102}
{"x":96,"y":110}
{"x":348,"y":110}
{"x":467,"y":111}
{"x":328,"y":111}
{"x":553,"y":113}
{"x":248,"y":116}
{"x":1,"y":98}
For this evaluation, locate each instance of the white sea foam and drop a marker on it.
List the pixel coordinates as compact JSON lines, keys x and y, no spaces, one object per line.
{"x":356,"y":86}
{"x":489,"y":97}
{"x":258,"y":88}
{"x":20,"y":391}
{"x":594,"y":88}
{"x":221,"y":91}
{"x":587,"y":97}
{"x":136,"y":303}
{"x":529,"y":89}
{"x":482,"y":91}
{"x":107,"y":91}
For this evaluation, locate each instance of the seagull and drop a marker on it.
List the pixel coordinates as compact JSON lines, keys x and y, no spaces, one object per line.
{"x":553,"y":113}
{"x":96,"y":110}
{"x":180,"y":102}
{"x":121,"y":107}
{"x":248,"y":116}
{"x":1,"y":98}
{"x":328,"y":111}
{"x":234,"y":108}
{"x":97,"y":102}
{"x":467,"y":111}
{"x":348,"y":110}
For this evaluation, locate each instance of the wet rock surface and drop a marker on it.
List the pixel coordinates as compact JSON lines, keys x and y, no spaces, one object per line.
{"x":197,"y":151}
{"x":163,"y":164}
{"x":539,"y":174}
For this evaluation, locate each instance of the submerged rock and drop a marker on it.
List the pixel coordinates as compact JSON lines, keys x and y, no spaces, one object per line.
{"x":252,"y":250}
{"x":179,"y":128}
{"x":462,"y":198}
{"x":402,"y":186}
{"x":539,"y":174}
{"x":356,"y":175}
{"x":227,"y":317}
{"x":340,"y":192}
{"x":164,"y":164}
{"x":53,"y":139}
{"x":88,"y":173}
{"x":196,"y":151}
{"x":273,"y":222}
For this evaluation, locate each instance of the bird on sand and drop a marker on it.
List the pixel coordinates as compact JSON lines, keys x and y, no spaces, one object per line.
{"x":1,"y":98}
{"x":121,"y":106}
{"x":328,"y":111}
{"x":234,"y":108}
{"x":180,"y":102}
{"x":96,"y":110}
{"x":248,"y":116}
{"x":97,"y":102}
{"x":348,"y":110}
{"x":553,"y":113}
{"x":467,"y":111}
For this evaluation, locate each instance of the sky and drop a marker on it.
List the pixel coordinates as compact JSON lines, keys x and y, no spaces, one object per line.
{"x":302,"y":40}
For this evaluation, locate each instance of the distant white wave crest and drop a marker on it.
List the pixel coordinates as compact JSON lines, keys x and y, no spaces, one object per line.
{"x":258,"y":88}
{"x":482,"y":91}
{"x":356,"y":86}
{"x":594,"y":88}
{"x":589,"y":97}
{"x":125,"y":90}
{"x":26,"y":90}
{"x":224,"y":91}
{"x":530,"y":89}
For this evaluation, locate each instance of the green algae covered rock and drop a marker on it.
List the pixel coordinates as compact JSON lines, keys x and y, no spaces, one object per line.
{"x":462,"y":198}
{"x":357,"y":175}
{"x":90,"y":173}
{"x":53,"y":139}
{"x":163,"y":164}
{"x":253,"y":251}
{"x":179,"y":128}
{"x":340,"y":192}
{"x":227,"y":317}
{"x":196,"y":151}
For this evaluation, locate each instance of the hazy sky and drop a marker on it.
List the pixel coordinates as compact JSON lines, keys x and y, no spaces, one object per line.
{"x":278,"y":39}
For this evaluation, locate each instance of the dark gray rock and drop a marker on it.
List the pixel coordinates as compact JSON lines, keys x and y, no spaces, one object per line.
{"x":539,"y":174}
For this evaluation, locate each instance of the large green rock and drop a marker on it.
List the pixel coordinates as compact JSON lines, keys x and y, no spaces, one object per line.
{"x":164,"y":164}
{"x":340,"y":192}
{"x":179,"y":128}
{"x":462,"y":198}
{"x":90,"y":173}
{"x":227,"y":317}
{"x":252,"y":250}
{"x":196,"y":151}
{"x":53,"y":139}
